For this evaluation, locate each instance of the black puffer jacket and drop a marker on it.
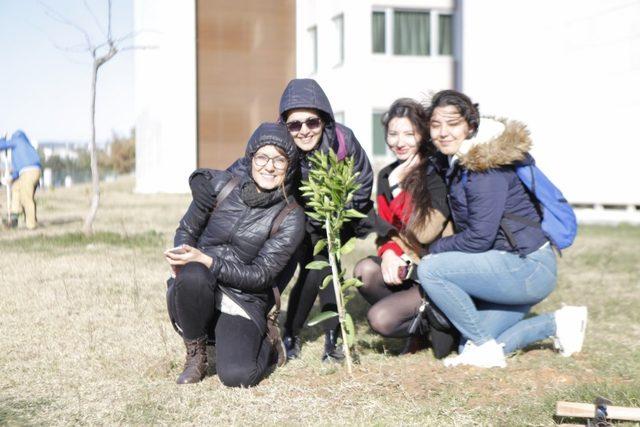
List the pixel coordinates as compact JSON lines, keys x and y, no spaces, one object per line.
{"x":246,"y":259}
{"x":307,"y":93}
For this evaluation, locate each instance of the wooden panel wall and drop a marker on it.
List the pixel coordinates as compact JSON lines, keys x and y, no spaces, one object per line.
{"x":246,"y":56}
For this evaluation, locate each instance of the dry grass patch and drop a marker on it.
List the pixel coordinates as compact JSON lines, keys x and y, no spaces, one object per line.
{"x":86,"y":339}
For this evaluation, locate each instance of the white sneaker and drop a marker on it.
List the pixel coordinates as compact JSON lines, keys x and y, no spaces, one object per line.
{"x":487,"y":355}
{"x":571,"y":325}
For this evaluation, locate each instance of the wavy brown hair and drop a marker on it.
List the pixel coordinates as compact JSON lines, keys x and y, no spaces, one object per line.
{"x":415,"y":183}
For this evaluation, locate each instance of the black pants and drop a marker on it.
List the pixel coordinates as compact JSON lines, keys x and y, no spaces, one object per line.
{"x":307,"y":287}
{"x":243,"y":354}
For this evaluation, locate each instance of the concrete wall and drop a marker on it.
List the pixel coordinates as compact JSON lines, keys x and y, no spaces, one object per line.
{"x":165,"y":95}
{"x":570,"y":71}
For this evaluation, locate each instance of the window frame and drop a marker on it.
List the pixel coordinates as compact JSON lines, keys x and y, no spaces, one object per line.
{"x":340,"y":38}
{"x":434,"y":27}
{"x":312,"y":34}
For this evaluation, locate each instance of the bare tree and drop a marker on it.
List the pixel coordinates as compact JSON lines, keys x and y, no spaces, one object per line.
{"x":100,"y":53}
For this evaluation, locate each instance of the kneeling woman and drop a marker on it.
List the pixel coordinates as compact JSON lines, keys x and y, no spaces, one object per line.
{"x":236,"y":237}
{"x":488,"y":275}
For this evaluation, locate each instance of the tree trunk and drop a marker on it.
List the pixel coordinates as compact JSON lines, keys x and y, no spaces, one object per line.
{"x":339,"y":300}
{"x":95,"y":176}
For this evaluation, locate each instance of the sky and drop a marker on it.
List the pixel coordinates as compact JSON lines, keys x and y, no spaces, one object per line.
{"x":44,"y":88}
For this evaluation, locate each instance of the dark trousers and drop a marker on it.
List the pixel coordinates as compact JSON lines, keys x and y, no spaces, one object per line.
{"x":243,"y":354}
{"x":307,"y":287}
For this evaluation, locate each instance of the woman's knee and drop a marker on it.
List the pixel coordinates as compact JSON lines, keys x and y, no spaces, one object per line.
{"x":194,"y":275}
{"x":236,"y":375}
{"x":382,"y":320}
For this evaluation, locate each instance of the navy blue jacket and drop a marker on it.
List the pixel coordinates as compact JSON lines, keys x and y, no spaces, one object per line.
{"x":483,"y":187}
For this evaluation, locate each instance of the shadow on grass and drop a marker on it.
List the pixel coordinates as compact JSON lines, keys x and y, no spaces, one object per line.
{"x":149,"y":239}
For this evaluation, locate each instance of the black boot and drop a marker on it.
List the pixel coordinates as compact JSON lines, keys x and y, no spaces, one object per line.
{"x":292,"y":344}
{"x":332,"y":352}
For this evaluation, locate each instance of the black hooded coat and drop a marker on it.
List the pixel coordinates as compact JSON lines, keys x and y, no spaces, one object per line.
{"x":307,"y":93}
{"x":236,"y":234}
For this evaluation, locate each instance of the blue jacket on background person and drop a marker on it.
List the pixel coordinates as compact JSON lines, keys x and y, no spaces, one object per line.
{"x":486,"y":179}
{"x":22,"y":153}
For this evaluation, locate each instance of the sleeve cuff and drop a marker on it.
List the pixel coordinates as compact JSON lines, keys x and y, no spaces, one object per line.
{"x":390,"y":245}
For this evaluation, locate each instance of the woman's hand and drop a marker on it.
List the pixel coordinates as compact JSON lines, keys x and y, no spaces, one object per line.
{"x":190,"y":254}
{"x":391,"y":263}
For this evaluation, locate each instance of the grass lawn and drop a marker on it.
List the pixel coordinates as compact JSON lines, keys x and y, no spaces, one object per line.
{"x":85,"y":337}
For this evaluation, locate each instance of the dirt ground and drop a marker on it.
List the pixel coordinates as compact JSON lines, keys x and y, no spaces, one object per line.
{"x":86,"y":339}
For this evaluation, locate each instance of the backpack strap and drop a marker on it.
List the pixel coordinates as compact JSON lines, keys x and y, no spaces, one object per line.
{"x":274,"y":229}
{"x":227,"y":189}
{"x":342,"y":145}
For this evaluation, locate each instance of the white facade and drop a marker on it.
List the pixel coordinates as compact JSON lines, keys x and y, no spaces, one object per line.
{"x":570,"y":70}
{"x":365,"y":82}
{"x":165,"y":95}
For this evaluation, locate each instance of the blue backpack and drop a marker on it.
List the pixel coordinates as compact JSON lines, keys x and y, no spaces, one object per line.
{"x":558,"y":219}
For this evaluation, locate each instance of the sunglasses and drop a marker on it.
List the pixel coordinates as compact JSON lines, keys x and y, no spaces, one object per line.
{"x":312,"y":123}
{"x":261,"y":160}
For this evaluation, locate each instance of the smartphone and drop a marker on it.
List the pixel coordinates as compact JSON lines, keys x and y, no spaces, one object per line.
{"x":177,"y":250}
{"x":406,"y":271}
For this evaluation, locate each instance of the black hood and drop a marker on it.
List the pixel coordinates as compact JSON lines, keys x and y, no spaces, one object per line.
{"x":305,"y":93}
{"x":274,"y":134}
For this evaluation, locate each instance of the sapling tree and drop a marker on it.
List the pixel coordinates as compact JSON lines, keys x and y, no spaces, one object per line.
{"x":329,"y":190}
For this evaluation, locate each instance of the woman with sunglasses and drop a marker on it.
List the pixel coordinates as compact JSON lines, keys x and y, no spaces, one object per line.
{"x":307,"y":113}
{"x":237,"y":235}
{"x":411,"y":196}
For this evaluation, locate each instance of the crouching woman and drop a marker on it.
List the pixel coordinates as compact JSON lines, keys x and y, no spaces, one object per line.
{"x":235,"y":238}
{"x":499,"y":263}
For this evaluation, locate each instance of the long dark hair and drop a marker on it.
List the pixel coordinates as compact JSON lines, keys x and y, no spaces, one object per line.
{"x":415,"y":183}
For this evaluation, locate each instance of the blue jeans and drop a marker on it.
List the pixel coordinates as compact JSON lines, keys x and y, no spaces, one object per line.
{"x":487,"y":295}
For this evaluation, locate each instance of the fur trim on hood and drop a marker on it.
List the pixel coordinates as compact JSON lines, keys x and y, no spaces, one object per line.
{"x":499,"y":142}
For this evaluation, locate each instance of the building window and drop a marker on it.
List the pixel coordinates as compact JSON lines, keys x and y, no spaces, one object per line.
{"x":313,"y":48}
{"x":379,"y":143}
{"x":378,"y":32}
{"x":412,"y":32}
{"x":445,"y":35}
{"x":339,"y":117}
{"x":338,"y":23}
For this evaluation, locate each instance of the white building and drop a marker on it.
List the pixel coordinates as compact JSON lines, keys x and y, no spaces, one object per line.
{"x":568,"y":69}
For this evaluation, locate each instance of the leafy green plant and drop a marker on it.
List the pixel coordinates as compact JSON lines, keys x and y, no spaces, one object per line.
{"x":329,"y":190}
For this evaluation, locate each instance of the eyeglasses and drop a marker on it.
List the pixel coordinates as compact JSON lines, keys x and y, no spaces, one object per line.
{"x":312,"y":123}
{"x":261,"y":160}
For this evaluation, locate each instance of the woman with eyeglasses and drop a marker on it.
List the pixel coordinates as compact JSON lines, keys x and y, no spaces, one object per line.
{"x":237,"y":235}
{"x":411,"y":197}
{"x":307,"y":113}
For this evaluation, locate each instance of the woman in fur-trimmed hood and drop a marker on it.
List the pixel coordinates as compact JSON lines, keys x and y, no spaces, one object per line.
{"x":488,"y":275}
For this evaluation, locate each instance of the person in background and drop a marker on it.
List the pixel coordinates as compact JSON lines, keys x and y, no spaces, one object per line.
{"x":25,"y":176}
{"x":488,"y":275}
{"x":411,"y":179}
{"x":232,"y":242}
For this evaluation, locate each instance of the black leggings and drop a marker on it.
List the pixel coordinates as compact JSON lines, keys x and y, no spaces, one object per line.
{"x":243,"y":354}
{"x":306,"y":289}
{"x":393,"y":308}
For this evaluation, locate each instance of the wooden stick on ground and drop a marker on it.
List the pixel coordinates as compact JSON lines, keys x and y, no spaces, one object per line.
{"x":588,"y":410}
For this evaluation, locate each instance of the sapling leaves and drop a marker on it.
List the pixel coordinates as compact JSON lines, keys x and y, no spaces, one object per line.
{"x":328,"y":191}
{"x":321,"y":317}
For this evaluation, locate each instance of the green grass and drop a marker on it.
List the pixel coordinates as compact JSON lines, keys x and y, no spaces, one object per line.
{"x":85,"y":338}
